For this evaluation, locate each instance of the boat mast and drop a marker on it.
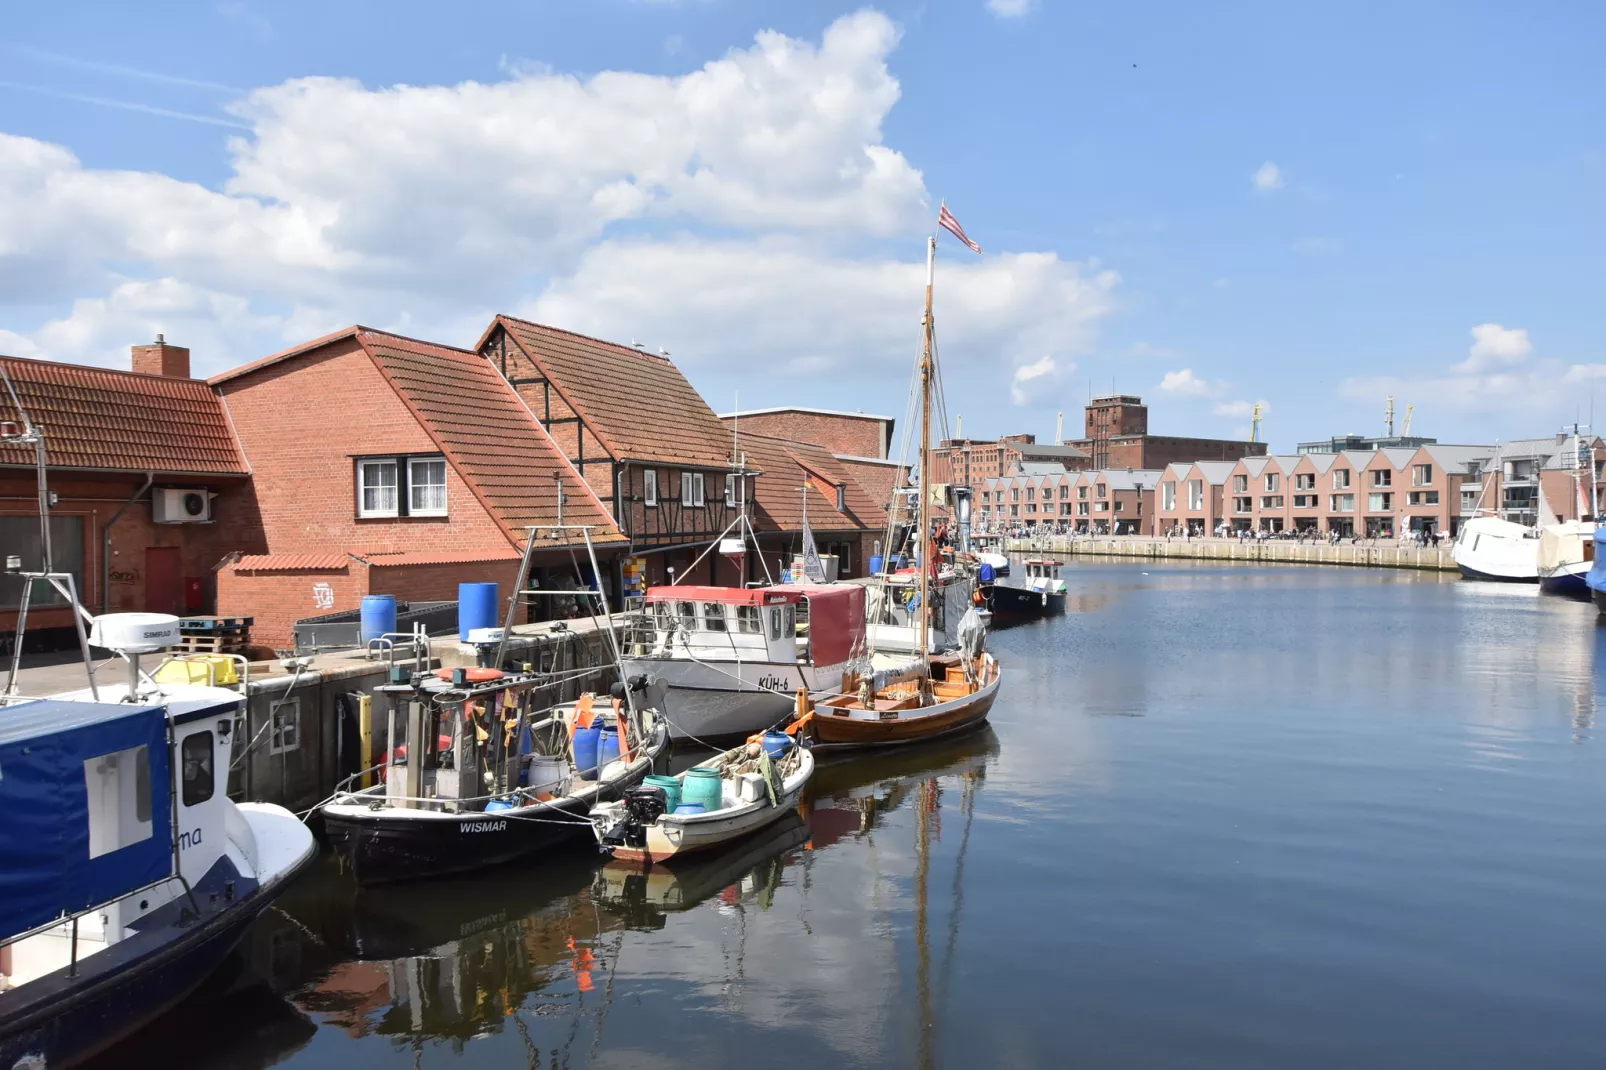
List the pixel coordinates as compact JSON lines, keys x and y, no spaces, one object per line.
{"x":924,"y":511}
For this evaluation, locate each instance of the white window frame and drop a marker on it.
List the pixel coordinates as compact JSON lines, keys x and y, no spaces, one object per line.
{"x":697,"y":489}
{"x":1168,"y":495}
{"x":685,"y":490}
{"x":413,"y":464}
{"x":1271,"y":482}
{"x":394,"y":488}
{"x":1195,"y":494}
{"x":649,"y":486}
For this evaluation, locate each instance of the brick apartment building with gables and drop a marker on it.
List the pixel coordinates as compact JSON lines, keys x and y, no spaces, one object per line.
{"x":117,"y":441}
{"x":384,"y":464}
{"x":652,"y":450}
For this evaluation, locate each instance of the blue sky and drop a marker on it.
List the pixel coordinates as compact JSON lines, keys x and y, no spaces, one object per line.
{"x":1425,"y":171}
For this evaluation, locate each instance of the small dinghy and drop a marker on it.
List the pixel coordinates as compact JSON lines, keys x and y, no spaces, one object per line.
{"x":491,"y":780}
{"x":729,"y":796}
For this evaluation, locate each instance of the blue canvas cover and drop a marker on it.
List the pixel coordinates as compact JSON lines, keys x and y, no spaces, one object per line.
{"x":45,"y":868}
{"x":1596,"y":576}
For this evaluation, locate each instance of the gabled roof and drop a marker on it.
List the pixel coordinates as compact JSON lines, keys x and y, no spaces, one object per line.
{"x":115,"y":421}
{"x":779,"y":491}
{"x":1456,"y":458}
{"x":1284,"y":461}
{"x":1531,"y":447}
{"x":1255,"y":465}
{"x":638,"y":403}
{"x":1398,"y":456}
{"x":1319,"y":461}
{"x":1215,"y":471}
{"x":1130,"y":479}
{"x":1178,"y":469}
{"x":1358,"y":459}
{"x":488,"y":434}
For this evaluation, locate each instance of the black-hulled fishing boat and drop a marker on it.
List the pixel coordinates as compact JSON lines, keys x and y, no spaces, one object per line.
{"x":1041,"y":593}
{"x":476,"y":778}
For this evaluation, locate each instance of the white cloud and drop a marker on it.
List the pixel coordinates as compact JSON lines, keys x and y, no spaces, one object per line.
{"x":1009,"y":9}
{"x":1184,"y":383}
{"x":1499,"y":377}
{"x":1045,"y":367}
{"x":1494,"y":346}
{"x":726,"y":302}
{"x":1267,"y":177}
{"x":741,"y":212}
{"x":1240,"y":409}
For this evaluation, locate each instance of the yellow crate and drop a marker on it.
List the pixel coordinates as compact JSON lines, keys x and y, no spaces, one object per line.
{"x":199,"y":669}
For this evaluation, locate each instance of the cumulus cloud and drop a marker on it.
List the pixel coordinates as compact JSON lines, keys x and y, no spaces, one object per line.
{"x":1183,"y":383}
{"x":1267,"y":177}
{"x":1499,"y":377}
{"x":748,"y":210}
{"x":1009,"y":9}
{"x":1240,"y":409}
{"x":1045,"y":368}
{"x":1494,"y":346}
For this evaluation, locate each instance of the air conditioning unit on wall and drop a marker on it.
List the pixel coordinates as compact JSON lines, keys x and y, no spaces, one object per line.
{"x":181,"y":505}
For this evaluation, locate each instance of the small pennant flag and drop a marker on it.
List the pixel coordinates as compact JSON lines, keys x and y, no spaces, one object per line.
{"x":946,"y":220}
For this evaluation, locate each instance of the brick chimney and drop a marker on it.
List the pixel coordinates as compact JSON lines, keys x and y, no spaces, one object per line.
{"x":160,"y":358}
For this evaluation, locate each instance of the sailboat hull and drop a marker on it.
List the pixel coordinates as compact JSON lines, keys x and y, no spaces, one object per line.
{"x":842,"y":729}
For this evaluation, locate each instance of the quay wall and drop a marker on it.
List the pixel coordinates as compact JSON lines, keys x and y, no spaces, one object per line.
{"x":1425,"y":558}
{"x":297,"y":758}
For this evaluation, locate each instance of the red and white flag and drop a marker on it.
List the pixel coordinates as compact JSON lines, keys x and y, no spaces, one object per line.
{"x":946,"y":220}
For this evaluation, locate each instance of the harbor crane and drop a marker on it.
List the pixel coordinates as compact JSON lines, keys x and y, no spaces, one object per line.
{"x":1405,"y":428}
{"x":1254,"y":423}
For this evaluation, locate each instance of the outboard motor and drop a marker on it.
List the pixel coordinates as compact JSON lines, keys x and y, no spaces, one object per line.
{"x":644,"y":804}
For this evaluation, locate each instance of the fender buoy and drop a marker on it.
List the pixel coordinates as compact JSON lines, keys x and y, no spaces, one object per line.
{"x":473,"y":676}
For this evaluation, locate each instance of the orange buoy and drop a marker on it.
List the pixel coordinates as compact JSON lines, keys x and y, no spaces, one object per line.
{"x":473,"y":676}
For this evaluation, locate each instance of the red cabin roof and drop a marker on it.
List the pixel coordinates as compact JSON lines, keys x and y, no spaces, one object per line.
{"x":730,"y":596}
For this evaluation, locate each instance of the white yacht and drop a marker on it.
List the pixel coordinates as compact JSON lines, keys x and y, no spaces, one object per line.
{"x":1489,"y":548}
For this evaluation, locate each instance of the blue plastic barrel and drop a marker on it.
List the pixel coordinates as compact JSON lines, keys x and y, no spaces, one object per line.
{"x":607,"y":747}
{"x":876,"y":563}
{"x":503,"y":803}
{"x":378,"y":615}
{"x":477,"y":605}
{"x":585,"y":750}
{"x":686,"y":809}
{"x":776,"y":744}
{"x":671,"y":786}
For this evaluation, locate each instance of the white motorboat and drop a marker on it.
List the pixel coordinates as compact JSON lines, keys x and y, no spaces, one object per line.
{"x":735,"y":658}
{"x":1566,"y":554}
{"x":757,"y":784}
{"x":1489,"y":548}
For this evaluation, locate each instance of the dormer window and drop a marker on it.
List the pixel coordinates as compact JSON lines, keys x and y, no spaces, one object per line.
{"x":401,"y":486}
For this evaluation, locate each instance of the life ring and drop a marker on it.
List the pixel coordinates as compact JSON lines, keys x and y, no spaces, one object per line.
{"x":473,"y":676}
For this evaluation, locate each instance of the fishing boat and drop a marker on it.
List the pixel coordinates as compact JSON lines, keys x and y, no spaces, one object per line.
{"x":714,"y":803}
{"x":1595,"y":579}
{"x":1490,"y":548}
{"x":475,"y":776}
{"x":129,"y":874}
{"x":999,"y":563}
{"x":733,"y":659}
{"x":939,"y":692}
{"x":652,"y":891}
{"x":1041,"y":594}
{"x":892,"y":610}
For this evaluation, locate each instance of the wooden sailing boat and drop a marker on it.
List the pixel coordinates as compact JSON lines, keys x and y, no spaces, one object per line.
{"x":939,"y":693}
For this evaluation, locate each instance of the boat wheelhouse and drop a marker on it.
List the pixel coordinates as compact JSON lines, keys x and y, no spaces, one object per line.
{"x":893,"y":610}
{"x":129,"y":874}
{"x":734,"y":658}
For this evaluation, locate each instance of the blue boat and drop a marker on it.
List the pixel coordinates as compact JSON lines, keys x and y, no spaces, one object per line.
{"x":129,"y":875}
{"x":1595,"y":579}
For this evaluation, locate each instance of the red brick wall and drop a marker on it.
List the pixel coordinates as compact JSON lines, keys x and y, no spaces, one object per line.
{"x":94,"y":500}
{"x":300,"y":423}
{"x":438,"y":583}
{"x":859,"y":436}
{"x":276,"y":600}
{"x":878,"y":481}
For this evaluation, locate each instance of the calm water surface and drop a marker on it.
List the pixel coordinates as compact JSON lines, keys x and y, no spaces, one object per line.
{"x":1234,"y":817}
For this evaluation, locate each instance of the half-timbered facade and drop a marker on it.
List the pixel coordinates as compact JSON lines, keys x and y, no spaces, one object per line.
{"x":632,"y":425}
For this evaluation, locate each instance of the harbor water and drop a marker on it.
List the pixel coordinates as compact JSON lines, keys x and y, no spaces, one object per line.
{"x":1224,"y":816}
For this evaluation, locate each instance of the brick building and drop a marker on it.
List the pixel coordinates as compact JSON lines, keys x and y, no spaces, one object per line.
{"x":1116,"y":435}
{"x":148,"y":487}
{"x":853,"y":434}
{"x":1101,"y":502}
{"x":383,"y":464}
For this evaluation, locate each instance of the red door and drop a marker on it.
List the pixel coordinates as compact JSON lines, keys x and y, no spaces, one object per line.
{"x":164,"y":580}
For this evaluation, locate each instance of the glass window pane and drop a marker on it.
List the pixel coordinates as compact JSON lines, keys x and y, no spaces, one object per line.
{"x":426,"y":482}
{"x":19,"y":535}
{"x":118,"y":791}
{"x":195,"y":756}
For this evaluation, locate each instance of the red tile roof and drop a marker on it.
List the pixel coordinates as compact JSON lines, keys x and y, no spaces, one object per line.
{"x":97,"y":418}
{"x":289,"y":563}
{"x":488,"y":434}
{"x":779,"y":491}
{"x":421,"y":557}
{"x":639,"y":404}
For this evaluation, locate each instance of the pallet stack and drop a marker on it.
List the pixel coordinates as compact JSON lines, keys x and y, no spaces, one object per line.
{"x":213,"y":635}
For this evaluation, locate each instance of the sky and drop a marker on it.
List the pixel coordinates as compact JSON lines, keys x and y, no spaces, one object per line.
{"x":1312,"y":207}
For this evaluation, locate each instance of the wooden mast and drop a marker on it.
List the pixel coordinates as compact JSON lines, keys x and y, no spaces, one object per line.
{"x":924,"y":512}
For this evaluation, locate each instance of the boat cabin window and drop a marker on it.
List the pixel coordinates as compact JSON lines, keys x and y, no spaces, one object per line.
{"x":195,"y":754}
{"x":783,"y":622}
{"x":747,"y":621}
{"x":118,"y":790}
{"x":714,"y":616}
{"x":688,"y":616}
